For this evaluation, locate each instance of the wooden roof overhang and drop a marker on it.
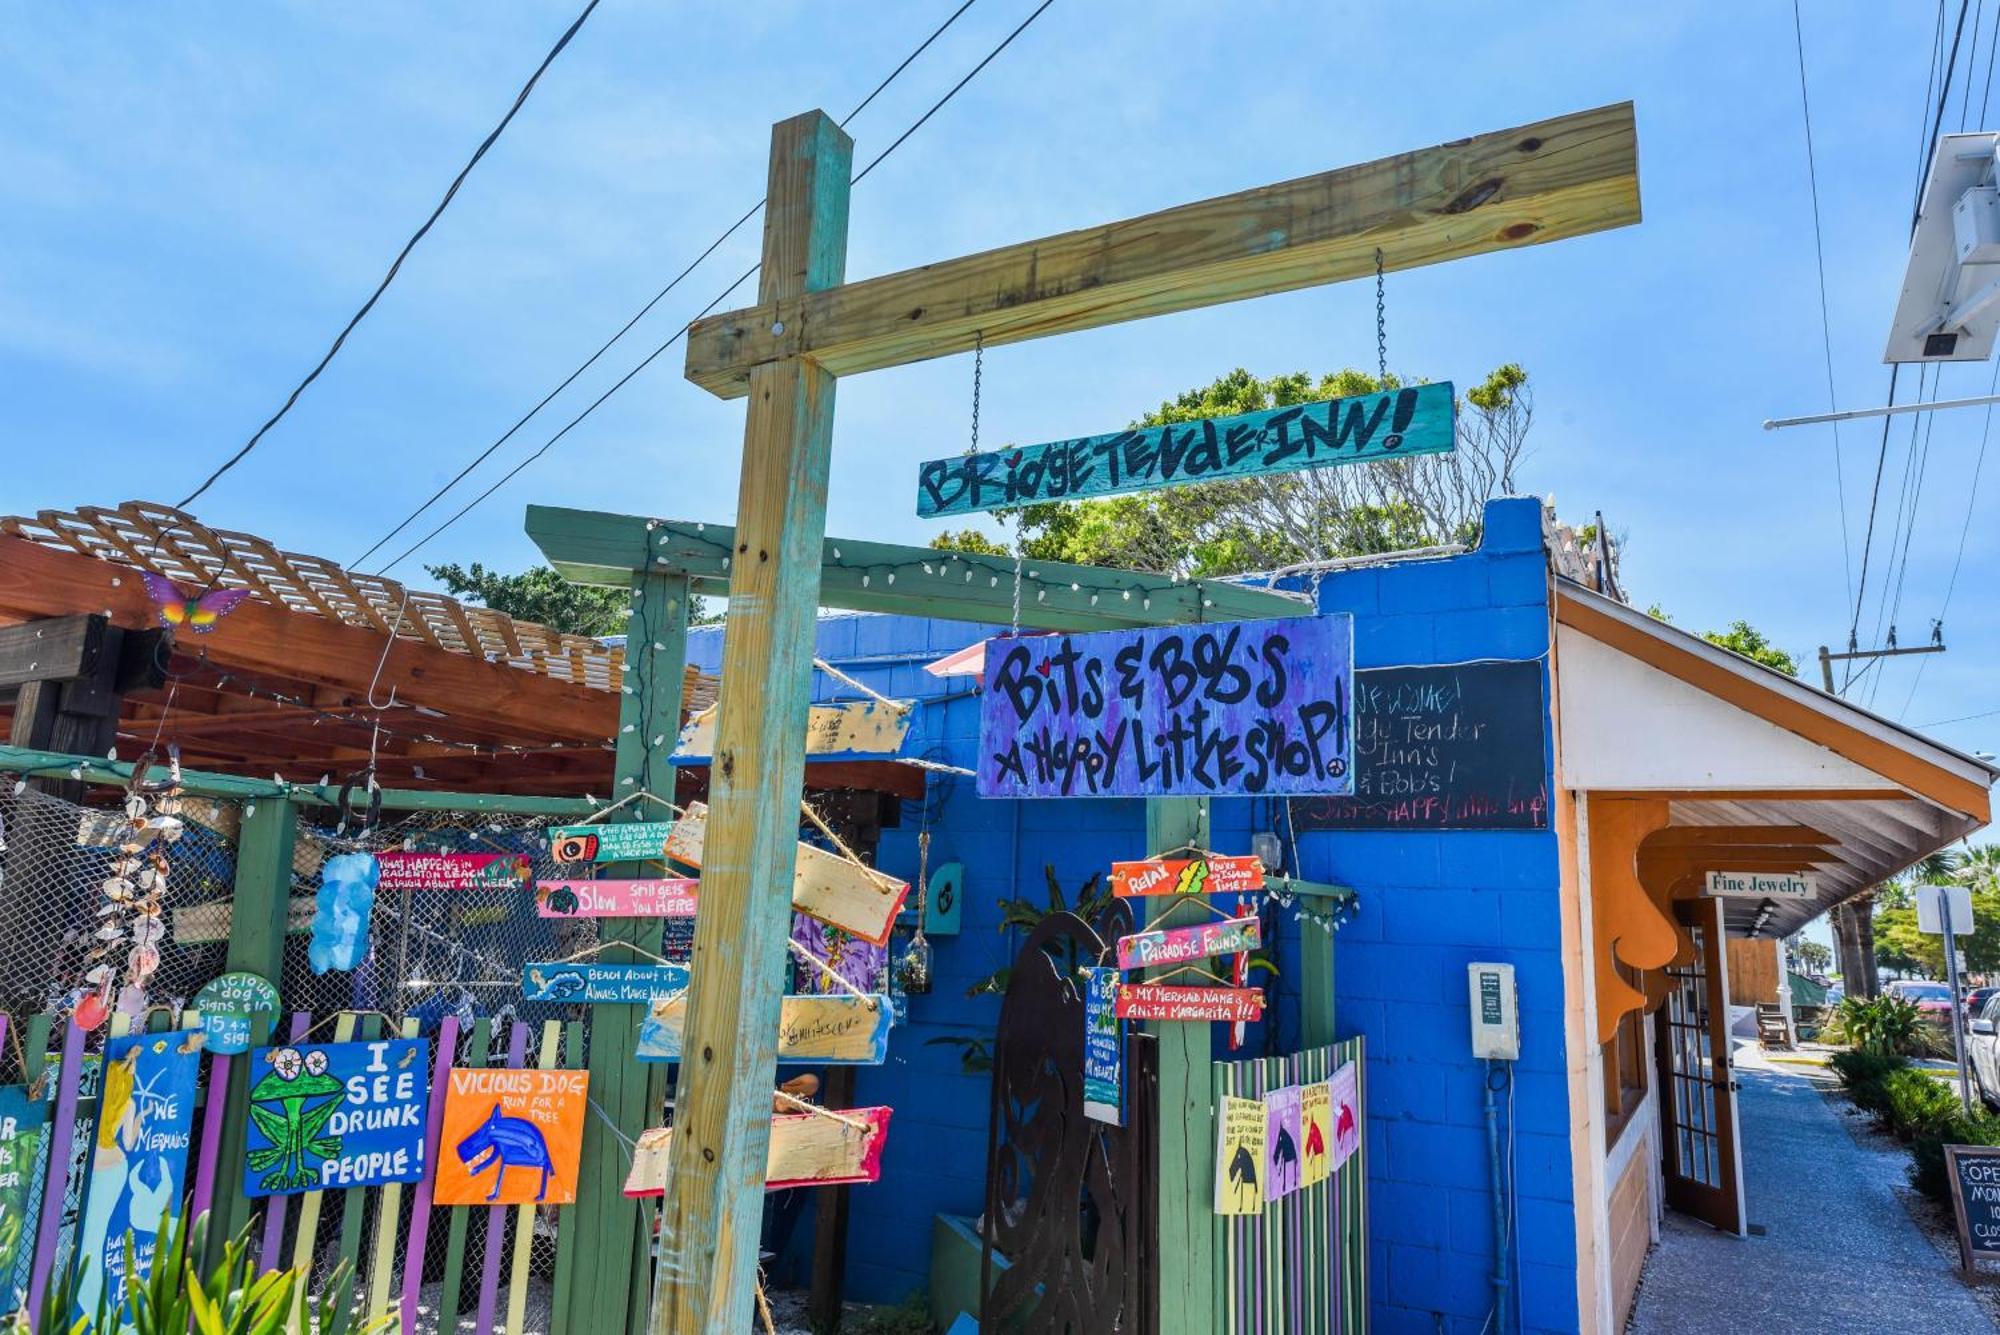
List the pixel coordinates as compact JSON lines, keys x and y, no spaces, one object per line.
{"x":1695,"y":759}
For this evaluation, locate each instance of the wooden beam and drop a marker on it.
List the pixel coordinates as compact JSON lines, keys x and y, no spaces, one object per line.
{"x":51,"y":649}
{"x":589,"y":547}
{"x":711,"y":1214}
{"x":1738,"y":836}
{"x":258,"y":638}
{"x":1553,"y":179}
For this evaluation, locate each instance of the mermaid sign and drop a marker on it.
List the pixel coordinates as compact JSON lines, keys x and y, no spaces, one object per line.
{"x":138,"y":1160}
{"x":336,"y":1115}
{"x":511,"y":1137}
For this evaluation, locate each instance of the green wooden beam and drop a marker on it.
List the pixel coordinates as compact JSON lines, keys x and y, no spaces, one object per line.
{"x":1189,"y":1301}
{"x":593,"y":547}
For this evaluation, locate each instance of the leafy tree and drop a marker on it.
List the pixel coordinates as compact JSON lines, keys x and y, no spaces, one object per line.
{"x":1266,"y":523}
{"x":970,"y":541}
{"x":1814,"y":957}
{"x":540,"y":595}
{"x":1741,"y":638}
{"x":1898,"y":943}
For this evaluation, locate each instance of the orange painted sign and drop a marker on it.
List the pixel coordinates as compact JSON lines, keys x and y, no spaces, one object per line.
{"x":511,"y":1137}
{"x":1212,"y":875}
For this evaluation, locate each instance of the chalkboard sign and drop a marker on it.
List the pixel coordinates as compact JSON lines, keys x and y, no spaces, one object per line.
{"x":1974,"y":1174}
{"x":1443,"y":748}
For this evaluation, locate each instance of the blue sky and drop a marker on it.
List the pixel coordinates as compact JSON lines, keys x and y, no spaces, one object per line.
{"x":199,"y":194}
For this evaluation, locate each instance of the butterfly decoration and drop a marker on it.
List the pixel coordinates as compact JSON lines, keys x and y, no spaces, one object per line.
{"x":197,"y":611}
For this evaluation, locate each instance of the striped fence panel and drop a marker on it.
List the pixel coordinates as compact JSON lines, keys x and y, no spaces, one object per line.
{"x":1303,"y":1263}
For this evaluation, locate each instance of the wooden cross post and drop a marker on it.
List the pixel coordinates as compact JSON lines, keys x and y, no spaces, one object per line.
{"x":714,"y":1205}
{"x":1497,"y":191}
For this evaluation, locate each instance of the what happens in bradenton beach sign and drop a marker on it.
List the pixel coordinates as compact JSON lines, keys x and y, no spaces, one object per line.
{"x":1417,"y":419}
{"x":1242,"y":707}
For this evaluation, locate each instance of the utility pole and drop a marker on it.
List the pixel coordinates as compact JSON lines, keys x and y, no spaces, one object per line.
{"x":1827,"y":659}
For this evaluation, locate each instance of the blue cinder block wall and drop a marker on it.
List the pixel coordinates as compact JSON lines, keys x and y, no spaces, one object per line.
{"x":1431,"y":903}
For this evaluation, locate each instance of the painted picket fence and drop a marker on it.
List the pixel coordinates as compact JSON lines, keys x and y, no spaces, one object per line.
{"x":1302,"y":1263}
{"x":382,"y":1233}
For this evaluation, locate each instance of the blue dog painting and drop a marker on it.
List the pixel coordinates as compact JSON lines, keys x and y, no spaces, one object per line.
{"x":507,"y":1142}
{"x":517,"y":1133}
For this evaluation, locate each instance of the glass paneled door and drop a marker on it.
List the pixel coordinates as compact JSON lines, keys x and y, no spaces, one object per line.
{"x":1704,"y":1173}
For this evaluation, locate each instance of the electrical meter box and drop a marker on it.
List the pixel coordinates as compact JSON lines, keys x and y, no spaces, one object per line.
{"x":1496,"y":1019}
{"x":1975,"y":225}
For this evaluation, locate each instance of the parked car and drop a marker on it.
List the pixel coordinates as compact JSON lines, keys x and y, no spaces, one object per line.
{"x":1982,"y":1050}
{"x":1976,"y":999}
{"x":1933,"y":999}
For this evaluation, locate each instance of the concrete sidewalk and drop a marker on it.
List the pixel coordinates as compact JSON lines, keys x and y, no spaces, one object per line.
{"x":1840,"y":1252}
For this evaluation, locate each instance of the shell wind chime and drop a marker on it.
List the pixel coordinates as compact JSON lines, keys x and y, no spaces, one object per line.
{"x":131,"y":923}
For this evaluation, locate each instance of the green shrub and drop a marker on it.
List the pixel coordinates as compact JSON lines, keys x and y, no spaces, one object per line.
{"x":1862,"y":1074}
{"x":1919,"y":1104}
{"x":1887,"y":1024}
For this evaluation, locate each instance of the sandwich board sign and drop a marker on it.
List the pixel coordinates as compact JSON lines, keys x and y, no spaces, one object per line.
{"x":1972,"y":1172}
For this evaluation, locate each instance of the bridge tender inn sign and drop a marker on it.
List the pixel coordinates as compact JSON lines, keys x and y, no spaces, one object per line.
{"x":1417,"y":419}
{"x":1234,"y":708}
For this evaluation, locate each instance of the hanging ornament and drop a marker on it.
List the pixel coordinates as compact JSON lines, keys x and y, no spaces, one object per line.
{"x":913,"y":972}
{"x":91,"y":1010}
{"x":131,"y":919}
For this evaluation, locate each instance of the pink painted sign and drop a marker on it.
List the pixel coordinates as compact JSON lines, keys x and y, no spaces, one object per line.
{"x":1177,"y":945}
{"x":669,"y":897}
{"x":1154,"y":1001}
{"x":452,"y":871}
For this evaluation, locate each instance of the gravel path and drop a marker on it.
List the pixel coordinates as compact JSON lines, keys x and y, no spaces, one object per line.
{"x":1841,"y":1252}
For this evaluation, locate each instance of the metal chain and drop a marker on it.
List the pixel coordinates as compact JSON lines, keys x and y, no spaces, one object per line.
{"x":1381,"y":337}
{"x":978,"y":365}
{"x":1020,"y":555}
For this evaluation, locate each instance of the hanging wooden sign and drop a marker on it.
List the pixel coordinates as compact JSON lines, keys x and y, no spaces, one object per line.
{"x":601,"y":984}
{"x":452,"y":871}
{"x":623,"y":841}
{"x":855,"y":730}
{"x":807,"y":1150}
{"x":1237,"y":708}
{"x":24,"y":1128}
{"x":523,"y":1127}
{"x":1161,"y":1001}
{"x":1103,"y":1048}
{"x":825,"y":885}
{"x":1178,"y":945}
{"x":1210,"y":874}
{"x":1416,"y":419}
{"x":669,"y":897}
{"x":138,"y":1163}
{"x":834,"y":1030}
{"x":328,"y":1115}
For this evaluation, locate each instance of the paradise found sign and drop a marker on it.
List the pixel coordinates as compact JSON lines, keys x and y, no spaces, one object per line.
{"x":1416,"y":419}
{"x":1178,"y":945}
{"x":1236,"y":708}
{"x":337,"y":1115}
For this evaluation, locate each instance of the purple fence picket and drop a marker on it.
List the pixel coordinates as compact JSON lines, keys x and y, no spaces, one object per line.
{"x":496,"y":1215}
{"x":62,"y":1132}
{"x":271,"y":1254}
{"x":420,"y":1205}
{"x":211,"y":1134}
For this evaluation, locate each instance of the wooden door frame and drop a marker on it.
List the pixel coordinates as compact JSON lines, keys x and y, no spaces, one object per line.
{"x":1720,"y":1205}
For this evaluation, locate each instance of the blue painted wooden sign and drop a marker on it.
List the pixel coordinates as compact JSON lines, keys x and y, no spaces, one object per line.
{"x":1418,"y":419}
{"x":1232,"y":709}
{"x":615,"y":984}
{"x":326,"y":1115}
{"x":839,"y":1030}
{"x":24,"y":1127}
{"x":1103,"y":1047}
{"x":138,"y":1162}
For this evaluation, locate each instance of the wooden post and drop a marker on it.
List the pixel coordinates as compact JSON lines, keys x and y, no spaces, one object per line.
{"x":257,"y":920}
{"x":713,"y":1207}
{"x":1186,"y":1181}
{"x":601,"y":1243}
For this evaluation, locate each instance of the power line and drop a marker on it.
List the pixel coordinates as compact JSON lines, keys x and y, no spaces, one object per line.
{"x":451,"y":192}
{"x":1962,"y":718}
{"x":1825,"y":322}
{"x":1965,"y":529}
{"x":507,"y":477}
{"x":641,"y":314}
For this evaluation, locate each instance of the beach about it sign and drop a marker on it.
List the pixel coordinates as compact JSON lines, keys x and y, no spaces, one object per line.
{"x":1762,"y":885}
{"x":601,"y":984}
{"x":1415,"y":419}
{"x":1242,"y":708}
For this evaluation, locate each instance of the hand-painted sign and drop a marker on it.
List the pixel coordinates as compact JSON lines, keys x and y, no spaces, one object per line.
{"x":326,"y":1115}
{"x":1240,"y":1134}
{"x":830,"y":1031}
{"x":623,"y":841}
{"x":452,"y":871}
{"x":824,"y":885}
{"x":601,"y":984}
{"x":1346,"y":1104}
{"x":1761,"y":885}
{"x":807,"y":1150}
{"x":1213,"y":874}
{"x":226,"y":1005}
{"x":24,"y":1124}
{"x":1103,"y":1048}
{"x":857,"y":730}
{"x":1418,"y":419}
{"x":670,"y":897}
{"x":862,"y":965}
{"x":1281,"y":1141}
{"x":1316,"y":1133}
{"x":944,"y":902}
{"x":1159,"y":1001}
{"x":1178,"y":945}
{"x":1972,"y":1175}
{"x":511,"y":1137}
{"x":138,"y":1161}
{"x":1235,"y":708}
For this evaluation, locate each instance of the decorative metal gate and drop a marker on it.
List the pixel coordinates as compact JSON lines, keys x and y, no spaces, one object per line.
{"x":1070,"y":1202}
